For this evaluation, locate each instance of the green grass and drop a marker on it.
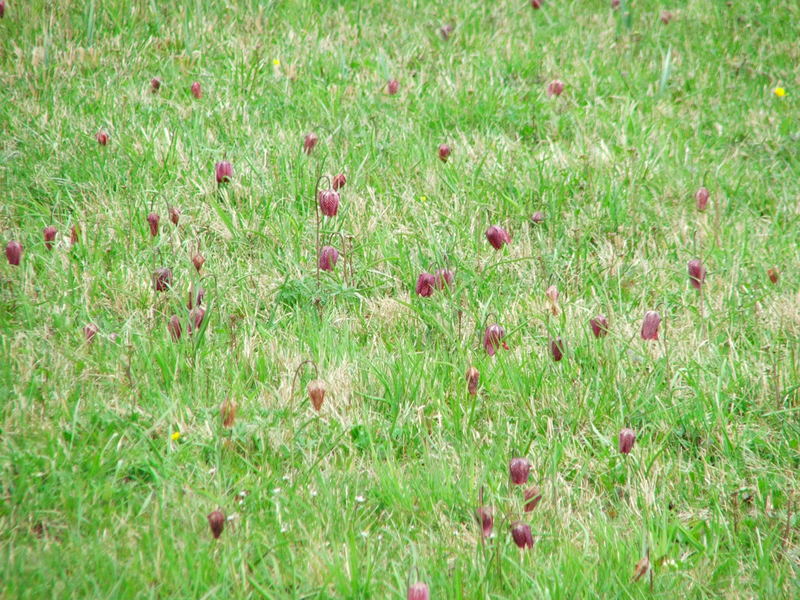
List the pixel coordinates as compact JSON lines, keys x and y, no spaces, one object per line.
{"x":381,"y":486}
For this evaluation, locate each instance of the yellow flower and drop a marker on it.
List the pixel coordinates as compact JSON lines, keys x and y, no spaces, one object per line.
{"x":779,"y":92}
{"x":176,"y":436}
{"x":276,"y":62}
{"x":423,"y":198}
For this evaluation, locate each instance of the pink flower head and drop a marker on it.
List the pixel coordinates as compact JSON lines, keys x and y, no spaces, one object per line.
{"x":697,"y":273}
{"x":519,"y":469}
{"x":339,"y":181}
{"x":701,"y":196}
{"x":216,"y":521}
{"x":557,"y":349}
{"x":555,"y":87}
{"x":418,"y":591}
{"x":536,"y":4}
{"x":485,"y":520}
{"x":444,"y":278}
{"x":174,"y":328}
{"x":101,"y":137}
{"x":198,"y":260}
{"x":153,"y":219}
{"x":444,"y":152}
{"x":174,"y":215}
{"x":599,"y":326}
{"x":666,"y":17}
{"x":521,"y":532}
{"x":392,"y":87}
{"x":532,"y":498}
{"x":328,"y":202}
{"x":224,"y":171}
{"x":538,"y":217}
{"x":497,"y":237}
{"x":13,"y":252}
{"x":162,"y":279}
{"x":328,"y":257}
{"x":196,"y":316}
{"x":197,"y":92}
{"x":49,"y":236}
{"x":155,"y":84}
{"x":446,"y":31}
{"x":2,"y":8}
{"x":310,"y":142}
{"x":626,"y":439}
{"x":473,"y":376}
{"x":492,"y":338}
{"x":425,"y":285}
{"x":615,"y":4}
{"x":650,"y":325}
{"x":772,"y":273}
{"x":89,"y":331}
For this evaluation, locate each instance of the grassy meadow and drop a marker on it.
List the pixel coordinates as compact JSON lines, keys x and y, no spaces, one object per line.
{"x":117,"y":440}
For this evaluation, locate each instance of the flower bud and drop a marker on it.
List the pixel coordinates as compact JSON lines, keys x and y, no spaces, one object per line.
{"x":444,"y":278}
{"x":162,"y":279}
{"x":101,"y":137}
{"x":13,"y":252}
{"x":497,"y":237}
{"x":316,"y":391}
{"x":73,"y":235}
{"x":216,"y":520}
{"x":599,"y":326}
{"x":666,"y":17}
{"x":174,"y":328}
{"x":772,"y":273}
{"x":701,"y":196}
{"x":339,"y":181}
{"x":227,"y":412}
{"x":650,"y":325}
{"x":153,"y":219}
{"x":532,"y":498}
{"x":418,"y":591}
{"x":196,"y":316}
{"x":223,"y":171}
{"x":196,"y":91}
{"x":89,"y":331}
{"x":310,"y":142}
{"x":485,"y":520}
{"x":328,"y":257}
{"x":425,"y":284}
{"x":201,"y":293}
{"x":328,"y":202}
{"x":492,"y":338}
{"x":472,"y":380}
{"x":697,"y":273}
{"x":446,"y":31}
{"x":49,"y":236}
{"x":198,"y":260}
{"x":519,"y":469}
{"x":538,"y":217}
{"x":555,"y":87}
{"x":557,"y":349}
{"x":155,"y":84}
{"x":536,"y":4}
{"x":626,"y":439}
{"x":174,"y":215}
{"x":521,"y":532}
{"x":444,"y":152}
{"x":641,"y":568}
{"x":392,"y":87}
{"x":552,"y":298}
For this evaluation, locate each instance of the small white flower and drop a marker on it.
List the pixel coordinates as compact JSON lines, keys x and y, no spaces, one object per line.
{"x":360,"y":499}
{"x":365,"y":534}
{"x":276,"y":490}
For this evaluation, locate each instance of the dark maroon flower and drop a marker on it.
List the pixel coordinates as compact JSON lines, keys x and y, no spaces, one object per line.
{"x":174,"y":327}
{"x":197,"y":261}
{"x":444,"y":152}
{"x":49,"y":236}
{"x":153,"y":219}
{"x":666,"y":17}
{"x":557,"y":349}
{"x":392,"y":87}
{"x":485,"y":520}
{"x":13,"y":252}
{"x":328,"y":202}
{"x":536,"y":4}
{"x":89,"y":331}
{"x":216,"y":520}
{"x":425,"y":284}
{"x":697,"y":273}
{"x":339,"y":181}
{"x":227,"y":411}
{"x":626,"y":439}
{"x":521,"y":532}
{"x":492,"y":338}
{"x":446,"y":31}
{"x":701,"y":196}
{"x":310,"y":142}
{"x":773,"y":275}
{"x":196,"y":316}
{"x":73,"y":235}
{"x":196,"y":91}
{"x":174,"y":215}
{"x":650,"y":325}
{"x":538,"y":217}
{"x":162,"y":279}
{"x":316,"y":391}
{"x":155,"y":84}
{"x":532,"y":498}
{"x":472,"y":380}
{"x":599,"y":326}
{"x":201,"y":293}
{"x":497,"y":237}
{"x":555,"y":87}
{"x":615,"y":4}
{"x":328,"y":257}
{"x":418,"y":591}
{"x":101,"y":137}
{"x":519,"y":469}
{"x":2,"y":8}
{"x":444,"y":278}
{"x":224,"y":171}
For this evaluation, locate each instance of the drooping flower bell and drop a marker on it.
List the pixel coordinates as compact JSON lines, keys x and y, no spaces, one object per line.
{"x":701,"y":197}
{"x":521,"y":532}
{"x":195,"y":298}
{"x":392,"y":87}
{"x":197,"y":92}
{"x":536,"y":4}
{"x":497,"y":236}
{"x":626,"y":439}
{"x":174,"y":215}
{"x":316,"y":392}
{"x":49,"y":236}
{"x":614,"y":4}
{"x":473,"y":377}
{"x":155,"y":84}
{"x":532,"y":498}
{"x":328,"y":202}
{"x":162,"y":279}
{"x":772,"y":273}
{"x":599,"y":325}
{"x":102,"y":137}
{"x":557,"y":349}
{"x":666,"y":17}
{"x":216,"y":521}
{"x":444,"y":152}
{"x":492,"y":338}
{"x":223,"y":171}
{"x":485,"y":519}
{"x":310,"y":142}
{"x":697,"y":273}
{"x":552,"y":299}
{"x":89,"y":331}
{"x":227,"y":412}
{"x":13,"y":252}
{"x":425,"y":285}
{"x":2,"y":8}
{"x":444,"y":278}
{"x":519,"y":469}
{"x":418,"y":591}
{"x":650,"y":325}
{"x":152,"y":220}
{"x":174,"y":328}
{"x":328,"y":257}
{"x":446,"y":31}
{"x":339,"y":181}
{"x":537,"y":217}
{"x":73,"y":235}
{"x":555,"y":87}
{"x":198,"y":260}
{"x":196,"y":316}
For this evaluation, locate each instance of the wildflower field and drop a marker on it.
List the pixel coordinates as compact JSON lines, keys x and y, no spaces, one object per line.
{"x":413,"y":299}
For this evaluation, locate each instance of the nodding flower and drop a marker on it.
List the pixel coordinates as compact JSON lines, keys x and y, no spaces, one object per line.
{"x":521,"y":532}
{"x":425,"y":285}
{"x":102,"y":138}
{"x":497,"y":236}
{"x":472,"y":380}
{"x":174,"y":328}
{"x":444,"y":152}
{"x":89,"y":331}
{"x":162,"y":279}
{"x":537,"y":217}
{"x":49,"y":236}
{"x":310,"y":142}
{"x":555,"y":87}
{"x":328,"y":202}
{"x":392,"y":87}
{"x":198,"y":260}
{"x":493,"y":338}
{"x":316,"y":392}
{"x":153,"y":219}
{"x":174,"y":215}
{"x":418,"y":591}
{"x":155,"y":84}
{"x":519,"y":469}
{"x":216,"y":520}
{"x":444,"y":278}
{"x":532,"y":498}
{"x":339,"y":181}
{"x":599,"y":326}
{"x":196,"y":91}
{"x":626,"y":439}
{"x":697,"y":273}
{"x":13,"y":252}
{"x":557,"y":349}
{"x":328,"y":257}
{"x":224,"y":171}
{"x":701,"y":197}
{"x":485,"y":519}
{"x":650,"y":325}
